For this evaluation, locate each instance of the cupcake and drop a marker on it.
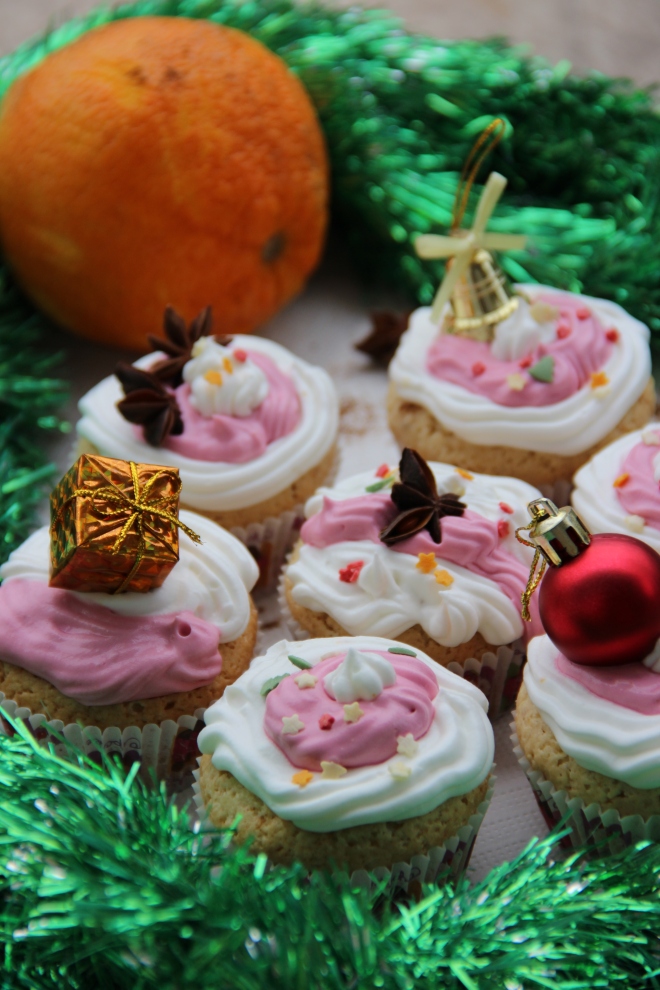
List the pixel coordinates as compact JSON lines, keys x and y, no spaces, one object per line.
{"x":351,"y":752}
{"x":617,"y":490}
{"x":251,"y":428}
{"x":588,"y":739}
{"x":132,"y":665}
{"x":557,"y":379}
{"x":426,"y":555}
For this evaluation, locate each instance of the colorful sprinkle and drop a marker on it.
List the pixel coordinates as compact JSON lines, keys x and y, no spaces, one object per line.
{"x":464,"y":474}
{"x":651,"y":438}
{"x":406,"y":745}
{"x":306,"y":680}
{"x":583,"y":313}
{"x":444,"y":578}
{"x":425,"y":562}
{"x":382,"y":471}
{"x":326,"y":722}
{"x":516,"y":382}
{"x":525,"y":362}
{"x":332,"y":771}
{"x":598,"y":379}
{"x":612,"y":335}
{"x":302,"y":778}
{"x":543,"y":370}
{"x":505,"y":507}
{"x":291,"y":724}
{"x":353,"y":712}
{"x":271,"y":684}
{"x":543,"y":312}
{"x":379,"y":485}
{"x":402,"y":650}
{"x":240,"y":354}
{"x":299,"y":662}
{"x":399,"y":770}
{"x":621,"y":480}
{"x":503,"y":528}
{"x":635,"y":524}
{"x":213,"y":377}
{"x":563,"y":331}
{"x":478,"y":368}
{"x":351,"y":572}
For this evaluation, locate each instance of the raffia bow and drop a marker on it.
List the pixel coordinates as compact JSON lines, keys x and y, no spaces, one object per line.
{"x":138,"y":505}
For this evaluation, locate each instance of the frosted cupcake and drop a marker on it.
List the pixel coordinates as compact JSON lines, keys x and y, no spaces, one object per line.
{"x":563,"y":376}
{"x":618,"y":490}
{"x":349,"y":752}
{"x":251,"y":428}
{"x":427,"y":556}
{"x":138,"y":667}
{"x":589,"y":741}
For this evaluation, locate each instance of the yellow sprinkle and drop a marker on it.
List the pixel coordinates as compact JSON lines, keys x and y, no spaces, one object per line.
{"x":516,"y":382}
{"x":213,"y":377}
{"x":302,"y":778}
{"x":543,"y":312}
{"x":406,"y":745}
{"x":621,"y":480}
{"x":444,"y":578}
{"x":353,"y":712}
{"x":227,"y":365}
{"x":464,"y":474}
{"x":306,"y":680}
{"x":425,"y":562}
{"x":332,"y":771}
{"x":599,"y":378}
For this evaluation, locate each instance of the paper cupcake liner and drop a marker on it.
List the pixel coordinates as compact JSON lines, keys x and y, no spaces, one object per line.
{"x":168,"y":750}
{"x":441,"y":864}
{"x":593,"y":830}
{"x":498,"y":675}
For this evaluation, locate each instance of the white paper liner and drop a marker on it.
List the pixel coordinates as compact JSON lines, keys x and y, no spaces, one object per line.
{"x":438,"y":865}
{"x":498,"y":675}
{"x":596,"y":831}
{"x":168,"y":750}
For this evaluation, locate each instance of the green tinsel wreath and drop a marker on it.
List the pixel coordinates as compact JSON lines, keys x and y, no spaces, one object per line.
{"x":105,"y":885}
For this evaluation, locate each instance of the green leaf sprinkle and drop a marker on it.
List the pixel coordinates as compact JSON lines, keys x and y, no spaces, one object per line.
{"x":378,"y":485}
{"x":271,"y":684}
{"x":299,"y":662}
{"x":543,"y":370}
{"x":402,"y":650}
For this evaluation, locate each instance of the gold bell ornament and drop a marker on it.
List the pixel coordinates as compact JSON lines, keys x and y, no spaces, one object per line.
{"x":475,"y":287}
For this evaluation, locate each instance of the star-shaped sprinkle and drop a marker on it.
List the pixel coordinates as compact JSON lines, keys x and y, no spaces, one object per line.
{"x":651,"y":438}
{"x":406,"y":745}
{"x":425,"y":562}
{"x":306,"y":680}
{"x":516,"y":382}
{"x":598,"y":379}
{"x":332,"y":771}
{"x":291,"y":724}
{"x":444,"y":578}
{"x":302,"y":778}
{"x":353,"y":712}
{"x":399,"y":770}
{"x":419,"y":504}
{"x":634,"y":523}
{"x":178,"y":343}
{"x":543,"y":312}
{"x":621,"y":480}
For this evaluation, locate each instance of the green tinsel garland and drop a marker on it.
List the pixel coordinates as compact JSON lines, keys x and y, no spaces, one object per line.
{"x":105,"y":885}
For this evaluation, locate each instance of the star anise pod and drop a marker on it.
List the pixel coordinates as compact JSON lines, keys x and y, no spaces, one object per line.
{"x":416,"y":497}
{"x":387,"y":328}
{"x":148,"y":404}
{"x":178,"y":343}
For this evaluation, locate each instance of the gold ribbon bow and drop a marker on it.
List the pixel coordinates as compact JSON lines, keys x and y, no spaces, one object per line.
{"x":139,"y":506}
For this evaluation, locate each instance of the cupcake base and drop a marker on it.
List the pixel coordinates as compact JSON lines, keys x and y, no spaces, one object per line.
{"x":413,"y":426}
{"x":416,"y":849}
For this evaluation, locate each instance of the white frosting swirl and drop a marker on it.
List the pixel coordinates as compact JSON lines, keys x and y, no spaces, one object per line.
{"x":600,"y":735}
{"x":391,"y":594}
{"x":521,"y":332}
{"x":567,"y":427}
{"x":220,"y":383}
{"x":361,"y":676}
{"x":595,"y":497}
{"x":453,"y":758}
{"x":222,"y":486}
{"x":212,"y":579}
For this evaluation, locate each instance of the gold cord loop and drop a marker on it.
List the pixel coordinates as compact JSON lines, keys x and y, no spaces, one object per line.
{"x":534,"y":579}
{"x":485,"y":144}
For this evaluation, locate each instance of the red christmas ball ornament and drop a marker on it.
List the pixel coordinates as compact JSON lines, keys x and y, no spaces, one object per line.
{"x":600,"y":598}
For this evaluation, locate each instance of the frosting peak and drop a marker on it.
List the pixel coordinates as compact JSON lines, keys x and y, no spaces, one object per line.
{"x":361,"y":676}
{"x":523,"y":331}
{"x":223,"y":381}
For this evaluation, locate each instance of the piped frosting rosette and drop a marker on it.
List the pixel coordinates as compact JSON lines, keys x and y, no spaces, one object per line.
{"x":560,"y":374}
{"x":618,"y":490}
{"x":336,"y":733}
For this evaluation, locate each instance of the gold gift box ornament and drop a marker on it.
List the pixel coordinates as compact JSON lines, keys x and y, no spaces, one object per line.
{"x":115,"y":526}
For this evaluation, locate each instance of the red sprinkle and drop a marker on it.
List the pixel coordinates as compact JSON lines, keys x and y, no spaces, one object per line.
{"x":583,"y":313}
{"x":525,"y":362}
{"x":503,"y":528}
{"x":563,"y":330}
{"x":326,"y":721}
{"x":240,"y":354}
{"x":382,"y":470}
{"x":505,"y":507}
{"x":612,"y":335}
{"x":351,"y":572}
{"x":478,"y":368}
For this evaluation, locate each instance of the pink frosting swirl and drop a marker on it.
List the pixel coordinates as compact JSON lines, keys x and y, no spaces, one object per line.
{"x":404,"y":707}
{"x":632,"y":685}
{"x":470,"y":540}
{"x":97,"y":657}
{"x":238,"y":439}
{"x":578,"y":353}
{"x":640,"y":495}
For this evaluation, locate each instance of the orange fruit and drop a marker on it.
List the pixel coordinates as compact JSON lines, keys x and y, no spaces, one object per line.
{"x":160,"y":161}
